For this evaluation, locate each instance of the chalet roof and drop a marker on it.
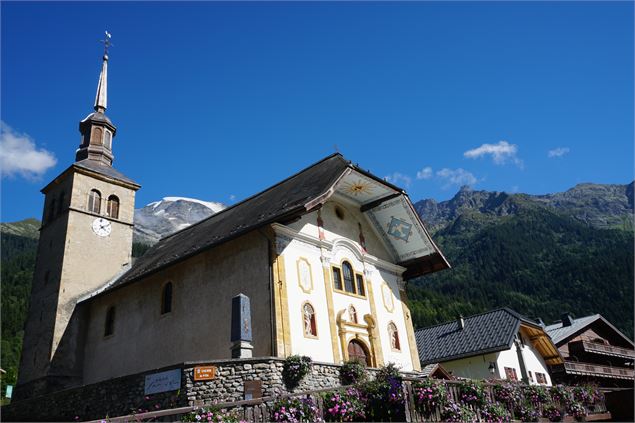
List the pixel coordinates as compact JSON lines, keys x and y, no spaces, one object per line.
{"x":282,"y":202}
{"x":560,"y":333}
{"x":483,"y":333}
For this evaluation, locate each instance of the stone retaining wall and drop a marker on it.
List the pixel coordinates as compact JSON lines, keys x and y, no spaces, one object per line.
{"x":122,"y":395}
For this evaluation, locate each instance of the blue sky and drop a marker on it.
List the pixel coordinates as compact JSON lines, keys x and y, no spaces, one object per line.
{"x":218,"y":101}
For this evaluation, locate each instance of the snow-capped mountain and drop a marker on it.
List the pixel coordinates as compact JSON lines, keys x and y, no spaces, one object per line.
{"x":171,"y":214}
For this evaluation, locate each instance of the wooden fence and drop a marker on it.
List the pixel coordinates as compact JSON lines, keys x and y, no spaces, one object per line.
{"x":261,"y":409}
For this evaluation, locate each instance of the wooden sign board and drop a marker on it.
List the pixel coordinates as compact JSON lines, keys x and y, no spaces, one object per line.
{"x":204,"y":373}
{"x":253,"y":389}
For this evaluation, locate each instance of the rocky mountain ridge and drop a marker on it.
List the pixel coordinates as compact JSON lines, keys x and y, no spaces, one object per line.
{"x":598,"y":205}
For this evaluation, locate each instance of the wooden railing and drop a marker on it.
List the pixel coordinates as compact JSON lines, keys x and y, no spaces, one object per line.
{"x":594,"y":347}
{"x":261,"y":409}
{"x":594,"y":370}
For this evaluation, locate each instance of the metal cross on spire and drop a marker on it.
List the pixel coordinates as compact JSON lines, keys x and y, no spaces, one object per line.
{"x":107,"y":42}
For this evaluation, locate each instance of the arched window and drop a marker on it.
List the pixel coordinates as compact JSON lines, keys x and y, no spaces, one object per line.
{"x":394,"y":336}
{"x":113,"y":207}
{"x":108,"y":140}
{"x":352,"y":313}
{"x":166,"y":298}
{"x":60,"y":206}
{"x":109,"y":327}
{"x":96,"y":139}
{"x":349,"y":284}
{"x":94,"y":201}
{"x":308,"y":314}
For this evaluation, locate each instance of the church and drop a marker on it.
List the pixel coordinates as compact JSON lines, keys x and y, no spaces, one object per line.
{"x":323,"y":257}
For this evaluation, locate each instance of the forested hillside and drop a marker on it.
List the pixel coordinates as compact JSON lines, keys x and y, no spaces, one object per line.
{"x":532,"y":259}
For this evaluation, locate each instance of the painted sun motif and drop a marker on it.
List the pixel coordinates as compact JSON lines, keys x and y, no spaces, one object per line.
{"x":359,"y":187}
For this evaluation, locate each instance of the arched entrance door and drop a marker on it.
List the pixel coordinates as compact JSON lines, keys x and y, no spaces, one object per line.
{"x":358,"y":351}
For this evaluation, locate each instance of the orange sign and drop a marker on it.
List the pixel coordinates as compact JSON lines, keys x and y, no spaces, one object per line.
{"x":204,"y":372}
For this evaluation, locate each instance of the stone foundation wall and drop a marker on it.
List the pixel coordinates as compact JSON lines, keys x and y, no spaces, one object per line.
{"x":121,"y":396}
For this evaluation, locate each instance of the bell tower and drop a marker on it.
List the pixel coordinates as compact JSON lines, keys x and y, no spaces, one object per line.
{"x":85,"y":242}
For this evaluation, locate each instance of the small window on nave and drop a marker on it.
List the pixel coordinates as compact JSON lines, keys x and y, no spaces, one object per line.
{"x":109,"y":326}
{"x":394,"y":337}
{"x":166,"y":298}
{"x":94,"y":201}
{"x":113,"y":207}
{"x":308,"y":314}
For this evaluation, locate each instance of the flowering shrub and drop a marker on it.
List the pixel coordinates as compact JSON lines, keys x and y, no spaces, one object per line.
{"x":508,"y":393}
{"x":453,"y":412}
{"x":553,"y":413}
{"x":495,"y":412}
{"x":295,"y":410}
{"x":472,"y":392}
{"x":561,"y":395}
{"x":294,"y":369}
{"x":344,"y":407}
{"x":428,"y":394}
{"x":587,"y":394}
{"x":211,"y":414}
{"x":526,"y":412}
{"x":577,"y":410}
{"x":384,"y":396}
{"x":536,"y":394}
{"x":352,"y":372}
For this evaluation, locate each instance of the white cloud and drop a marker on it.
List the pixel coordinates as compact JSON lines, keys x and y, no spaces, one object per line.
{"x":501,"y":153}
{"x":20,"y":156}
{"x":456,"y":177}
{"x":558,"y":152}
{"x":397,"y":178}
{"x":425,"y":173}
{"x":232,"y":197}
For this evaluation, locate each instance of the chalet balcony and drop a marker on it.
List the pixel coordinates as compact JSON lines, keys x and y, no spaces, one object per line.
{"x":598,"y":370}
{"x":596,"y":348}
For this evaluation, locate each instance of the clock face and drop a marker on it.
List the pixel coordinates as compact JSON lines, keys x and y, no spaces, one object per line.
{"x":102,"y":227}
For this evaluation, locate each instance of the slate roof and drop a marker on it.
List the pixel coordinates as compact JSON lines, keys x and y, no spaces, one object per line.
{"x":559,"y":333}
{"x":109,"y":171}
{"x":283,"y":200}
{"x":483,"y":333}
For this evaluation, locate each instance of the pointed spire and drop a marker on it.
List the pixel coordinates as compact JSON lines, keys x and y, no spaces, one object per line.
{"x":101,"y":99}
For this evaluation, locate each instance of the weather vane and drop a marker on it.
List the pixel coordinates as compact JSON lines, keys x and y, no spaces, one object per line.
{"x":107,"y":42}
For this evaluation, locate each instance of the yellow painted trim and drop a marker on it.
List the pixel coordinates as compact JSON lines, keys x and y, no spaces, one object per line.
{"x":331,"y":314}
{"x":410,"y":333}
{"x":297,"y":265}
{"x":279,"y":321}
{"x":376,"y":346}
{"x":342,"y":335}
{"x":284,"y":302}
{"x":314,"y":317}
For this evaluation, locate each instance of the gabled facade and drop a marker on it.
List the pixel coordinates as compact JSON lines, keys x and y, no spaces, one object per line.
{"x":498,"y":344}
{"x":594,"y":351}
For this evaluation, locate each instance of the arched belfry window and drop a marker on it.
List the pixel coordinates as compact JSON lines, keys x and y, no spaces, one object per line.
{"x":94,"y":201}
{"x":393,"y":336}
{"x":166,"y":298}
{"x":113,"y":207}
{"x":308,"y":315}
{"x":108,"y":140}
{"x":347,"y":270}
{"x":109,"y":327}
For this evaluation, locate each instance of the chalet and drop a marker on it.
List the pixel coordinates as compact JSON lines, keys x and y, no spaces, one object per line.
{"x":498,"y":344}
{"x":594,"y":351}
